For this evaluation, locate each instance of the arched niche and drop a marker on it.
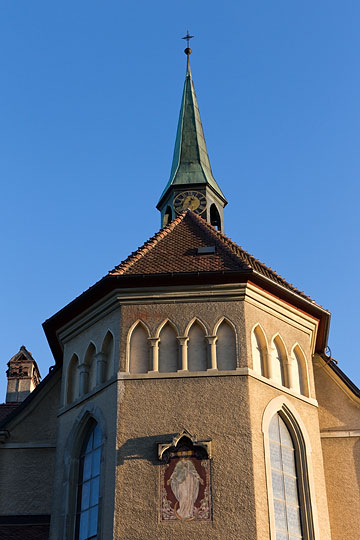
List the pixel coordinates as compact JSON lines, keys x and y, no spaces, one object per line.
{"x":300,"y":373}
{"x":108,"y":351}
{"x":197,"y":347}
{"x":226,"y":346}
{"x":72,"y":390}
{"x":90,"y":361}
{"x":168,"y":216}
{"x":215,"y":218}
{"x":139,"y":349}
{"x":259,"y":348}
{"x":168,"y":349}
{"x":278,"y":358}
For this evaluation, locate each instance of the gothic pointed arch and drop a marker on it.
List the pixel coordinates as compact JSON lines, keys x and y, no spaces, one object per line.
{"x":90,"y":362}
{"x":72,"y":379}
{"x":288,"y":463}
{"x":226,"y":344}
{"x":168,"y":347}
{"x":107,"y":349}
{"x":138,"y":347}
{"x":278,"y":360}
{"x":300,"y":376}
{"x":197,"y":346}
{"x":90,"y":423}
{"x":259,"y":349}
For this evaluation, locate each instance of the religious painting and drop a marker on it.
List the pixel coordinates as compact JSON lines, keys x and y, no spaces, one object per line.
{"x":185,"y":488}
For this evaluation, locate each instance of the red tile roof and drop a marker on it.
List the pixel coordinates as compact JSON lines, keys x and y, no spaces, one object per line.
{"x":174,"y":249}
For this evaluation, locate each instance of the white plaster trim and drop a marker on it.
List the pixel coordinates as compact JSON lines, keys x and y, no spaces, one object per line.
{"x":243,"y":371}
{"x":340,"y":433}
{"x":28,"y":445}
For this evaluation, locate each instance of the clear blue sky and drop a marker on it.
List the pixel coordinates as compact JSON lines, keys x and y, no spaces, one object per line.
{"x":90,"y":95}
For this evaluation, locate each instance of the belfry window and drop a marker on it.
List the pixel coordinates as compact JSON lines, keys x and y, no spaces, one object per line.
{"x":285,"y":482}
{"x":87,"y":514}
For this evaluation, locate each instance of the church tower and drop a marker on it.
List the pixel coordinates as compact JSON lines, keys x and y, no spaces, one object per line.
{"x":191,"y":184}
{"x":191,"y":396}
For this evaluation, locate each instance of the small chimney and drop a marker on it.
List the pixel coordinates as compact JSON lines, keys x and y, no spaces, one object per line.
{"x":23,"y":376}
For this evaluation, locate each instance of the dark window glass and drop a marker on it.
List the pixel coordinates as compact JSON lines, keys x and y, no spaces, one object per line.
{"x":88,"y":487}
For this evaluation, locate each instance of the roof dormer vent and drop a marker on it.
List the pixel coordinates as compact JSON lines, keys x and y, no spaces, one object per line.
{"x":205,"y":250}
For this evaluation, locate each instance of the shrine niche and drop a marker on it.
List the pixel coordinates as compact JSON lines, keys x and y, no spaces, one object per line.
{"x":185,"y":479}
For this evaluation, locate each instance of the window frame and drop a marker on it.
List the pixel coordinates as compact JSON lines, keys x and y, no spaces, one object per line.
{"x":91,"y":427}
{"x":306,"y":491}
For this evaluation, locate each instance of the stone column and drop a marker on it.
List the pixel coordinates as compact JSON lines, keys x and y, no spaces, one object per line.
{"x":100,"y":367}
{"x":154,"y":342}
{"x":267,"y":356}
{"x":289,"y":364}
{"x":183,"y":340}
{"x":266,"y":360}
{"x":212,"y":342}
{"x":84,"y":379}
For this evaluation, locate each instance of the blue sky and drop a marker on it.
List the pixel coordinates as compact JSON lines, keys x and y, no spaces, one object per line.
{"x":90,"y":96}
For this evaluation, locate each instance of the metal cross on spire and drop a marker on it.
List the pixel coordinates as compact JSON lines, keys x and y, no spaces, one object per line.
{"x":188,"y":37}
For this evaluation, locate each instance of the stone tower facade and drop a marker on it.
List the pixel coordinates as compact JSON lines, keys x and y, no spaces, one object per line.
{"x":23,"y":376}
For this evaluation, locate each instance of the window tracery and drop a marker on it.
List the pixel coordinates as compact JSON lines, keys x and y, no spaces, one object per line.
{"x":88,"y":496}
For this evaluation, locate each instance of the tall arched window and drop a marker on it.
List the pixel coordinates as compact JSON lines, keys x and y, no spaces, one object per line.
{"x":285,"y":488}
{"x":226,"y":347}
{"x":278,"y":356}
{"x":300,"y":380}
{"x":88,"y":498}
{"x":108,"y":351}
{"x":168,"y":349}
{"x":72,"y":380}
{"x":258,"y":347}
{"x":197,"y":348}
{"x":139,"y":350}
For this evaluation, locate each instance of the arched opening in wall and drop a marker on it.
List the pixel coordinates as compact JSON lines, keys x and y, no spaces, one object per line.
{"x":90,"y":361}
{"x":139,"y":350}
{"x":72,"y":392}
{"x":278,"y":356}
{"x":258,"y":348}
{"x":168,"y":349}
{"x":167,"y":216}
{"x":215,"y":218}
{"x":300,"y":380}
{"x":290,"y":495}
{"x":108,"y":351}
{"x":226,"y":346}
{"x":197,"y":348}
{"x":88,"y":485}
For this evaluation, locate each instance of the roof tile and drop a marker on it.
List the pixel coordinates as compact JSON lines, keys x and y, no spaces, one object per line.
{"x":174,"y":250}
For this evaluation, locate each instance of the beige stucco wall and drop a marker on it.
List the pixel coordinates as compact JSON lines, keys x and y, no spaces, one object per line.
{"x":339,"y":413}
{"x":27,"y":457}
{"x":152,"y":411}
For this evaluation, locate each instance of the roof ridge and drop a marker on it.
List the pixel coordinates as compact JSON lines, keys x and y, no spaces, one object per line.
{"x":252,"y":262}
{"x":146,"y":247}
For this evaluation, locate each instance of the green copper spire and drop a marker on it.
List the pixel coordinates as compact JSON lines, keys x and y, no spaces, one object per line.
{"x":190,"y":165}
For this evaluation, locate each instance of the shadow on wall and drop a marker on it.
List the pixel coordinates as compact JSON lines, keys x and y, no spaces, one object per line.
{"x":144,"y":448}
{"x":356,"y":456}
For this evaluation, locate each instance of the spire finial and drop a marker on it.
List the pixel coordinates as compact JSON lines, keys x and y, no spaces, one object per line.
{"x":188,"y":51}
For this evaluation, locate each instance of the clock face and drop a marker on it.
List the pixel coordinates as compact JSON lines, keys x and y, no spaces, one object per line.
{"x":192,"y":200}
